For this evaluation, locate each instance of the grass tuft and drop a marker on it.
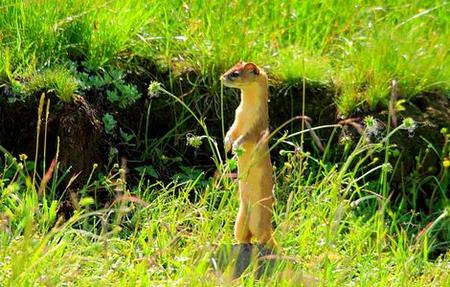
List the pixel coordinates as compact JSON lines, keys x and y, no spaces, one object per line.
{"x":58,"y":80}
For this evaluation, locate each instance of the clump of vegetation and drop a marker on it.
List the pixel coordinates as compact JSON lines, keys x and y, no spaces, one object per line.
{"x":112,"y":83}
{"x":57,"y":80}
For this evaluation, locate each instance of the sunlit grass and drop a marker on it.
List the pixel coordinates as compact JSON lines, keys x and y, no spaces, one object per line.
{"x":168,"y":239}
{"x":57,"y":80}
{"x":357,"y":47}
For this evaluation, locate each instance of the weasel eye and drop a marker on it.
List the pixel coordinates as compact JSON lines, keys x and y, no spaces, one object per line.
{"x":235,"y":74}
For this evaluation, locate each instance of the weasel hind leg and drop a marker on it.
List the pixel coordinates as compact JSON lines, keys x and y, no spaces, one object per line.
{"x":241,"y":228}
{"x":260,"y":225}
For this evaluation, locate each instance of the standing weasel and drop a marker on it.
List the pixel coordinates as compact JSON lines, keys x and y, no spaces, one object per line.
{"x":250,"y":131}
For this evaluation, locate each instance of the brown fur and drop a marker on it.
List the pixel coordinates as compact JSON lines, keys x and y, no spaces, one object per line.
{"x":250,"y":131}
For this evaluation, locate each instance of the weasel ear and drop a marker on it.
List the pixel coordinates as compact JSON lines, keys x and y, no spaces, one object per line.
{"x":250,"y":67}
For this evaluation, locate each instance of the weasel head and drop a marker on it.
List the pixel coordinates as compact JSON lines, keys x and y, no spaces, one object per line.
{"x":243,"y":75}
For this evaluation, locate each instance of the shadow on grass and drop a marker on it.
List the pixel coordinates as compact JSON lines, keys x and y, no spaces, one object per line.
{"x":238,"y":261}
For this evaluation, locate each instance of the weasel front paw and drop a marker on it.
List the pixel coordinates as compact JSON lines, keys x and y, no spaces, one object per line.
{"x":237,"y":146}
{"x":227,"y":142}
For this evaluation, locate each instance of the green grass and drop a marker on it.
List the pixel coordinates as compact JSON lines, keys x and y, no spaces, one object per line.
{"x":354,"y":47}
{"x":166,"y":239}
{"x":57,"y":80}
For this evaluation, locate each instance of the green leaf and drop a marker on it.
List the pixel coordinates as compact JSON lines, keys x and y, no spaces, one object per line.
{"x":109,"y":123}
